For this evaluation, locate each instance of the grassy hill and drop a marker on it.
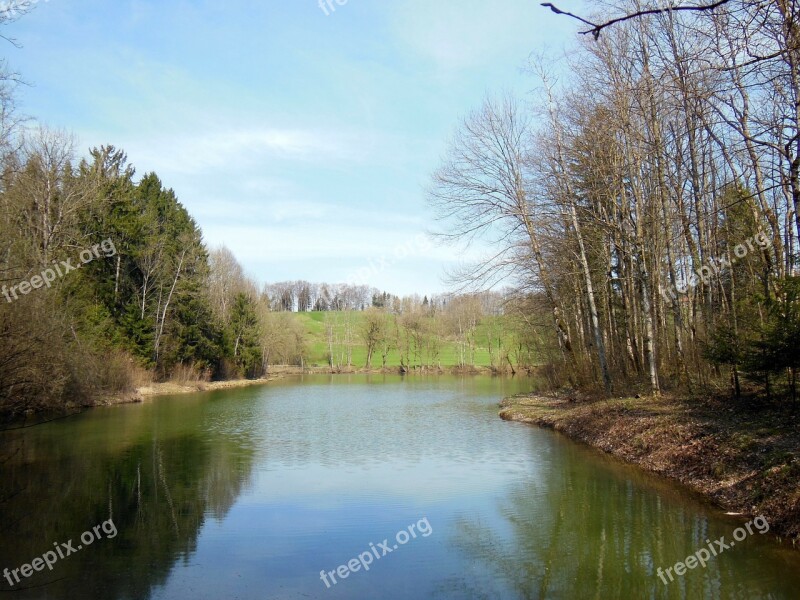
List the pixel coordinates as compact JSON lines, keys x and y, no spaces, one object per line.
{"x":314,"y":325}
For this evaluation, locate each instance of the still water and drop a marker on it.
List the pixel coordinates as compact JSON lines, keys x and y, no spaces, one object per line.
{"x":251,"y":493}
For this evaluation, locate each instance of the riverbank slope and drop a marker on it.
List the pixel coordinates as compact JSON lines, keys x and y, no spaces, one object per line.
{"x":745,"y":458}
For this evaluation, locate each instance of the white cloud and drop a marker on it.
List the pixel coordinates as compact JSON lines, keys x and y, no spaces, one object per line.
{"x":239,"y":149}
{"x":252,"y":210}
{"x":457,"y":34}
{"x":355,"y":245}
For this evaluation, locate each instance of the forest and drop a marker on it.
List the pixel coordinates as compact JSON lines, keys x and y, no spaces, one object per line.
{"x":647,"y":200}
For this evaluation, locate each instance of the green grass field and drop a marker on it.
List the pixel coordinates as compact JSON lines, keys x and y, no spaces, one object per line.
{"x":314,"y":324}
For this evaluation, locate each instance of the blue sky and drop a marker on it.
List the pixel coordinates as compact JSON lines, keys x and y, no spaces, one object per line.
{"x":301,"y":141}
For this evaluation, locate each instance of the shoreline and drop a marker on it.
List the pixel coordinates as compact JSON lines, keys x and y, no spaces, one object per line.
{"x":394,"y":370}
{"x":169,"y":388}
{"x":744,"y":460}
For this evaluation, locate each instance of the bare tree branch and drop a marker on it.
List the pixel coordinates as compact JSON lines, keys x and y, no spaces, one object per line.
{"x":12,"y":10}
{"x":597,"y":28}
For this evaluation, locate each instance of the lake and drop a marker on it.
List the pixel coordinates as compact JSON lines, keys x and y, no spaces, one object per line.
{"x":362,"y":486}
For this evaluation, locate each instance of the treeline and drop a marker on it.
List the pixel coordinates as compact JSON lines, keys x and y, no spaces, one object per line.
{"x":305,"y":296}
{"x":104,"y":278}
{"x":647,"y":204}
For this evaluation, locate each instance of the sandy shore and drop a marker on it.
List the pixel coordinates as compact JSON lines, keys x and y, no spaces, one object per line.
{"x":170,"y":388}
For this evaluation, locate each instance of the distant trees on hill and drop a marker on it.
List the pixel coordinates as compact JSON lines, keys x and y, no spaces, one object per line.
{"x":303,"y":296}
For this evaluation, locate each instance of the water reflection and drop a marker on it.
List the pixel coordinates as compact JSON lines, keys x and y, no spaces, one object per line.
{"x":248,"y":494}
{"x":600,"y":529}
{"x":156,"y":470}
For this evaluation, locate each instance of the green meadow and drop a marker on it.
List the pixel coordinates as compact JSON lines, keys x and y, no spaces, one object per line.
{"x":317,"y":342}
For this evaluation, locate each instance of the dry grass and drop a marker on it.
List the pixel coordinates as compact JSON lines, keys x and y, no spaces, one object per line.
{"x":170,"y":388}
{"x":188,"y":375}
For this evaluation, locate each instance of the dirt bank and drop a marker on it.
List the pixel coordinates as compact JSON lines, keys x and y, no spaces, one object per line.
{"x":169,"y":388}
{"x":744,"y":457}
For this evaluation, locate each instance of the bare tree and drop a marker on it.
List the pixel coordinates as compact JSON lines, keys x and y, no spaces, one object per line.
{"x":481,"y":192}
